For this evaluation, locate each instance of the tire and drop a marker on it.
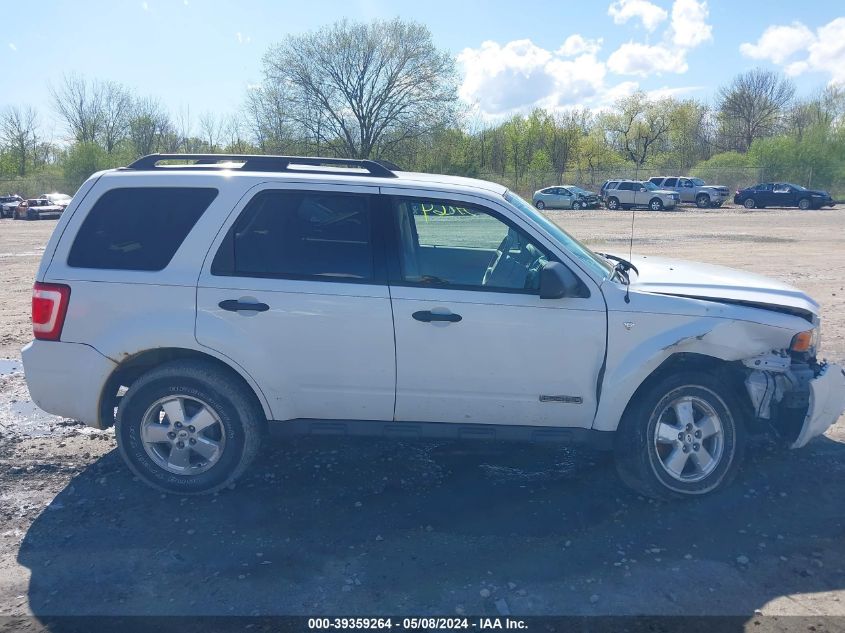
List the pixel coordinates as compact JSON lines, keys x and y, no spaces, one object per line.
{"x":644,"y":462}
{"x":805,"y":204}
{"x":702,"y":201}
{"x":32,"y":215}
{"x":655,"y":204}
{"x":576,"y":206}
{"x":750,"y":203}
{"x":612,"y":203}
{"x":540,"y":205}
{"x":232,"y":420}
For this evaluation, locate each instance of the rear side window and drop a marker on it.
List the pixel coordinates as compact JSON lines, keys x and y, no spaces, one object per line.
{"x":670,"y":182}
{"x":138,"y":228}
{"x":300,"y":235}
{"x":626,"y":186}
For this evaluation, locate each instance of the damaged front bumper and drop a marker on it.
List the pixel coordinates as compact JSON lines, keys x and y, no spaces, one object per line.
{"x":827,"y":402}
{"x":801,"y":400}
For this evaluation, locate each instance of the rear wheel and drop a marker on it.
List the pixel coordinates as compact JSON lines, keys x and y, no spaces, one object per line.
{"x":749,"y":203}
{"x":540,"y":205}
{"x":613,"y":203}
{"x":188,"y":427}
{"x":702,"y":200}
{"x":681,"y":438}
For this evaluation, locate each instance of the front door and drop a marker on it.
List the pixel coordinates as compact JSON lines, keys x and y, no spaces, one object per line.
{"x":295,"y":292}
{"x":474,"y":341}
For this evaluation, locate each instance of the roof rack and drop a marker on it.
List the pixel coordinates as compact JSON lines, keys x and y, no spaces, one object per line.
{"x":257,"y":162}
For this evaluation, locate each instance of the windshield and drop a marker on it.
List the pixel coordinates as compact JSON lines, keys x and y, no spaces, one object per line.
{"x":578,"y":190}
{"x":798,"y":187}
{"x":596,"y":264}
{"x":650,"y":185}
{"x":698,"y":182}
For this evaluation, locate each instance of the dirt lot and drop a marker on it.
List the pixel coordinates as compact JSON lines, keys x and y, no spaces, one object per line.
{"x":340,"y":527}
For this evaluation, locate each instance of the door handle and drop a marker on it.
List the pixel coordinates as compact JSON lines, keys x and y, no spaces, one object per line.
{"x":427,"y":316}
{"x":233,"y":305}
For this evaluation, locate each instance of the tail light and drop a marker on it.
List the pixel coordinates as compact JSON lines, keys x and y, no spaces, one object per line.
{"x":49,"y":307}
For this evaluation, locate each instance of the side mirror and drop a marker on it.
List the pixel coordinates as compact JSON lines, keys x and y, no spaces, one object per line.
{"x":642,"y":189}
{"x":557,"y":282}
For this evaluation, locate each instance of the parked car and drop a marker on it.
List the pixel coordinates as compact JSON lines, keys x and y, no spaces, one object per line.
{"x":777,"y":194}
{"x":607,"y":185}
{"x":8,"y":204}
{"x":639,"y":193}
{"x":58,"y":199}
{"x":36,"y":209}
{"x":211,"y":306}
{"x":693,"y":190}
{"x":565,"y":197}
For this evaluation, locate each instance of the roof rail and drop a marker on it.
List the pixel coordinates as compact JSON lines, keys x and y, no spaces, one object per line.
{"x":257,"y":162}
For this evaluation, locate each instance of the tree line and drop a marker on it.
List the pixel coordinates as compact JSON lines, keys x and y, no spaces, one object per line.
{"x":383,"y":90}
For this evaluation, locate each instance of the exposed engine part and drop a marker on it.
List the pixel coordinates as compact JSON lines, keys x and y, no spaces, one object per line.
{"x":766,"y":388}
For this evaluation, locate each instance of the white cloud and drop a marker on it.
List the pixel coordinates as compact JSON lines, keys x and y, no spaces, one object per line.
{"x":689,"y":23}
{"x":643,"y":60}
{"x":666,"y":91}
{"x":13,"y":47}
{"x":145,"y":6}
{"x":688,"y":29}
{"x":824,"y":50}
{"x":576,"y":44}
{"x":503,"y":79}
{"x":779,"y":43}
{"x":242,"y":39}
{"x":648,"y":13}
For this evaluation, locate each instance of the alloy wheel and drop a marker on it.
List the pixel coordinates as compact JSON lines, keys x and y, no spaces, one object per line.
{"x":689,"y":439}
{"x":182,"y":435}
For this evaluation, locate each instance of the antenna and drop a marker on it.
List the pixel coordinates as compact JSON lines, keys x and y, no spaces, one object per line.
{"x":630,"y":255}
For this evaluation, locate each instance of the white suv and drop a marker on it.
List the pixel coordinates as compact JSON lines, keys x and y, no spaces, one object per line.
{"x":199,"y":305}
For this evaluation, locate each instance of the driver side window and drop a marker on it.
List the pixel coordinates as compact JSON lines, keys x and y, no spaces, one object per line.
{"x":445,"y":244}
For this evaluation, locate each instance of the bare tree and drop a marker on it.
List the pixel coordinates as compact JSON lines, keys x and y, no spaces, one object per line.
{"x":638,"y":126}
{"x":148,"y":125}
{"x":375,"y":85}
{"x":18,"y":131}
{"x":211,"y":130}
{"x":80,"y":104}
{"x":753,"y":106}
{"x":116,"y":103}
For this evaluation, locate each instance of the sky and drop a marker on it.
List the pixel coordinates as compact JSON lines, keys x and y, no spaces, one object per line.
{"x":204,"y":55}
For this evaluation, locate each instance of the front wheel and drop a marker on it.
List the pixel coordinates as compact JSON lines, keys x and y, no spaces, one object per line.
{"x":681,"y":438}
{"x":656,"y":204}
{"x":702,"y":201}
{"x":804,"y":204}
{"x":188,"y":427}
{"x":576,"y":205}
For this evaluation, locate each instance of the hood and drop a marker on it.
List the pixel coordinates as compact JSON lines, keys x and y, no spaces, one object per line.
{"x":817,"y":192}
{"x":719,"y":283}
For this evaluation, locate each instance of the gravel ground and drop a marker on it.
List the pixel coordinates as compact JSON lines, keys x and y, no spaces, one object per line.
{"x":329,"y":526}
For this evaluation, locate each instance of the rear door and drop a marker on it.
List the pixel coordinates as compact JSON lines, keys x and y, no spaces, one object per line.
{"x":294,"y":290}
{"x":474,"y":341}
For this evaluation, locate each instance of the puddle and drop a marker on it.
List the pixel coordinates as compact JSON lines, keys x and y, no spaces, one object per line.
{"x":10,"y":366}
